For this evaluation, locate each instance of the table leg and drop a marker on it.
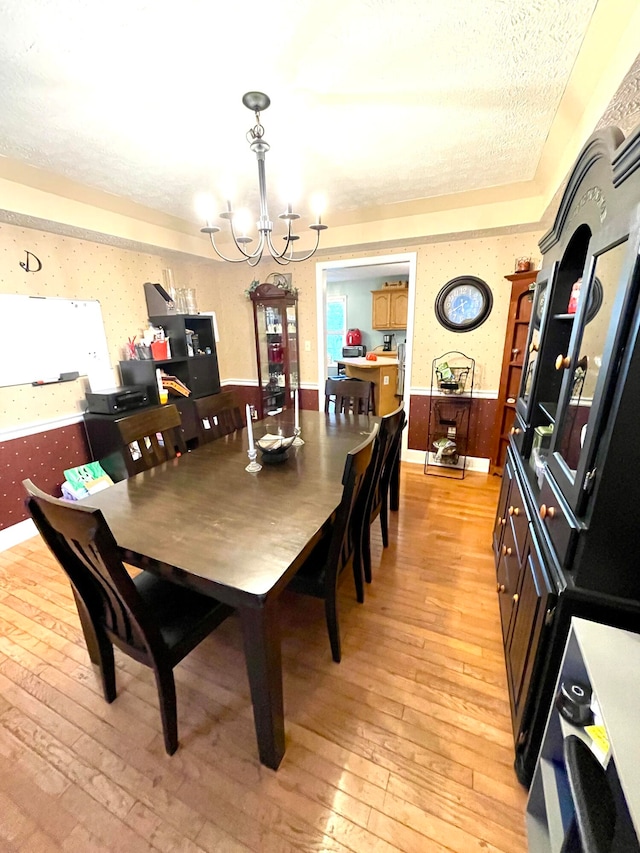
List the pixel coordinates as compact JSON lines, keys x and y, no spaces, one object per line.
{"x":261,"y":633}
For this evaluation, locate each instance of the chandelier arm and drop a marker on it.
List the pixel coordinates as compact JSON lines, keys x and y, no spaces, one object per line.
{"x":247,"y":255}
{"x":242,"y":260}
{"x":311,"y":253}
{"x":275,"y":254}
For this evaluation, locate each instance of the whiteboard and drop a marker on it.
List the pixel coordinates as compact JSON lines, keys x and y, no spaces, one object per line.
{"x":43,"y":337}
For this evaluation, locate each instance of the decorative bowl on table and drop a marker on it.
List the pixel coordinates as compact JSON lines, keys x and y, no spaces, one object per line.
{"x":274,"y":448}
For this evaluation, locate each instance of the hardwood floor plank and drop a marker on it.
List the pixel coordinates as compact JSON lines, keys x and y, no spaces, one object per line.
{"x":405,"y":746}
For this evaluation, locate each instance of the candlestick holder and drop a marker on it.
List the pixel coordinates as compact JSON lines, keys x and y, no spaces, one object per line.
{"x":297,"y":441}
{"x":253,"y":467}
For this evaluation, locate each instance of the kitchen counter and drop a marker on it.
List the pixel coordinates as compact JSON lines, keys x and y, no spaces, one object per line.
{"x":383,"y":373}
{"x":362,"y":362}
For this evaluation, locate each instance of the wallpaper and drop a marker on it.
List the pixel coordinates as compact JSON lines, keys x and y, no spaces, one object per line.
{"x":81,"y":269}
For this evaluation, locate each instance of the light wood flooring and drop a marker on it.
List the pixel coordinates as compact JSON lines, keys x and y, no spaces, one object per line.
{"x":404,"y":746}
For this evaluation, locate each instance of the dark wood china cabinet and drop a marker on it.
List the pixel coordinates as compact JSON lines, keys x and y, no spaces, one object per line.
{"x":565,"y":536}
{"x":520,"y":303}
{"x":275,"y":320}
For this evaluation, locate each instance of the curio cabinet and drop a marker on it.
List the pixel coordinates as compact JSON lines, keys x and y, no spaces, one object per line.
{"x":275,"y":319}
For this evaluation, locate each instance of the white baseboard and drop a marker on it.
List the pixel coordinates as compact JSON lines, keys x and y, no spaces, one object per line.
{"x":17,"y":533}
{"x":474,"y":463}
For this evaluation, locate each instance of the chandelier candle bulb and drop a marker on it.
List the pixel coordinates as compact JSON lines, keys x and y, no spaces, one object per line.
{"x":296,"y":421}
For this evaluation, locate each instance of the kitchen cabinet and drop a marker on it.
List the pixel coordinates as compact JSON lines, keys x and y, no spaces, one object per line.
{"x":520,"y":304}
{"x":275,"y":320}
{"x":551,"y":808}
{"x":576,"y":553}
{"x":389,"y":308}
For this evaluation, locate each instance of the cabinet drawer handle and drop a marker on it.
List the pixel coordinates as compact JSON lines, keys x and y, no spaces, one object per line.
{"x":562,"y":362}
{"x":515,"y":598}
{"x":500,"y":587}
{"x":515,"y":431}
{"x":514,"y":510}
{"x":547,"y":511}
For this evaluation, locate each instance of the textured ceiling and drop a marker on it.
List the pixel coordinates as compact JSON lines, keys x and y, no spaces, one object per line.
{"x":373,"y":102}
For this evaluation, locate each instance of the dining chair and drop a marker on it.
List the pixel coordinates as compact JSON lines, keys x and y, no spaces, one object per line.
{"x":389,"y":441}
{"x":218,"y":415}
{"x":154,"y":621}
{"x":150,"y":437}
{"x":349,"y":395}
{"x":334,"y":552}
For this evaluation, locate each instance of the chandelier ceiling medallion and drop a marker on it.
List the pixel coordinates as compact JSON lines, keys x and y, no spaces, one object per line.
{"x":257,"y":102}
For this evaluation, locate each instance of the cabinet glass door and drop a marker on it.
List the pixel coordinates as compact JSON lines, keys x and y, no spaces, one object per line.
{"x":544,"y":282}
{"x":292,"y":347}
{"x":591,"y":366}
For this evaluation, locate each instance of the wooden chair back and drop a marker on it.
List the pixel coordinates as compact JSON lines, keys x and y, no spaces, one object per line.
{"x":152,"y":620}
{"x":83,"y":544}
{"x":349,"y":395}
{"x":218,"y":415}
{"x":150,"y":437}
{"x":376,"y":489}
{"x":337,"y":549}
{"x":345,"y":529}
{"x":391,"y":427}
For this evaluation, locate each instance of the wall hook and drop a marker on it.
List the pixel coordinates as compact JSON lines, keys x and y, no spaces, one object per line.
{"x":26,"y":264}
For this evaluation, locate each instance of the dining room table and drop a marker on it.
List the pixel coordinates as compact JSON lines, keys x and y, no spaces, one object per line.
{"x":203,"y":521}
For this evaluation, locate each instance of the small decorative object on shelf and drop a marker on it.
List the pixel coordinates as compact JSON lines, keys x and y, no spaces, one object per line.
{"x":449,"y":414}
{"x":523,"y":264}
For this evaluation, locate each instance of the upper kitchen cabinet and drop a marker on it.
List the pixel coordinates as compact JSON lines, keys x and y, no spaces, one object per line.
{"x":389,"y":308}
{"x":275,"y":320}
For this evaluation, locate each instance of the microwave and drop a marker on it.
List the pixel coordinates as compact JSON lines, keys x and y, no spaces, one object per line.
{"x":354,"y":351}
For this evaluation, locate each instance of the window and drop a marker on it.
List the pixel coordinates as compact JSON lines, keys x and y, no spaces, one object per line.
{"x":336,"y":327}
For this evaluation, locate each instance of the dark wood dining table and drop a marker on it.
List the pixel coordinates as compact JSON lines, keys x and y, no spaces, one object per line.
{"x":203,"y":521}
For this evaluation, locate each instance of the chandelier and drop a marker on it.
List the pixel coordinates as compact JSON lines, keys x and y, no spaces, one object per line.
{"x":257,"y":102}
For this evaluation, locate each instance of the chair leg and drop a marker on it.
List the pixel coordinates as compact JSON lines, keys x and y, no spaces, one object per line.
{"x":358,"y":576}
{"x":366,"y":552}
{"x":107,"y":666}
{"x":168,"y":709}
{"x":384,"y":520}
{"x":331,"y":612}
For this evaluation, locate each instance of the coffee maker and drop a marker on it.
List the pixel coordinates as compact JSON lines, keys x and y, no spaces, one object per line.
{"x":387,"y":343}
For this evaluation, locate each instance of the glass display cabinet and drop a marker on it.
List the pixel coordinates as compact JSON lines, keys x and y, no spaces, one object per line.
{"x":564,"y":539}
{"x":275,"y":319}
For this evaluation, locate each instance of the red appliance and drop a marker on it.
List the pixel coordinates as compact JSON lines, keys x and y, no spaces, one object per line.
{"x":354,"y":337}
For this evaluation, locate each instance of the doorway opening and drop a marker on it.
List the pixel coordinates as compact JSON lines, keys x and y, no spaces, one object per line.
{"x":349,"y":283}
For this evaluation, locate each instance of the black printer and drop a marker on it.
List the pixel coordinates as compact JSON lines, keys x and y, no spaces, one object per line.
{"x":114,"y":401}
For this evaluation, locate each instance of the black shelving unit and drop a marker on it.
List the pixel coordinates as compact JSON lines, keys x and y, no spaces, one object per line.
{"x":198,"y":369}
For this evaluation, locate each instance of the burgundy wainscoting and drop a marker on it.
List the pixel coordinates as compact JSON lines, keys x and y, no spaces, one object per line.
{"x":483,"y":414}
{"x":250,"y":394}
{"x":43,"y":458}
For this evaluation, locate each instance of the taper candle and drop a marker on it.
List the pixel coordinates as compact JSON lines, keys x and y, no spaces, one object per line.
{"x":296,"y":422}
{"x":249,"y":428}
